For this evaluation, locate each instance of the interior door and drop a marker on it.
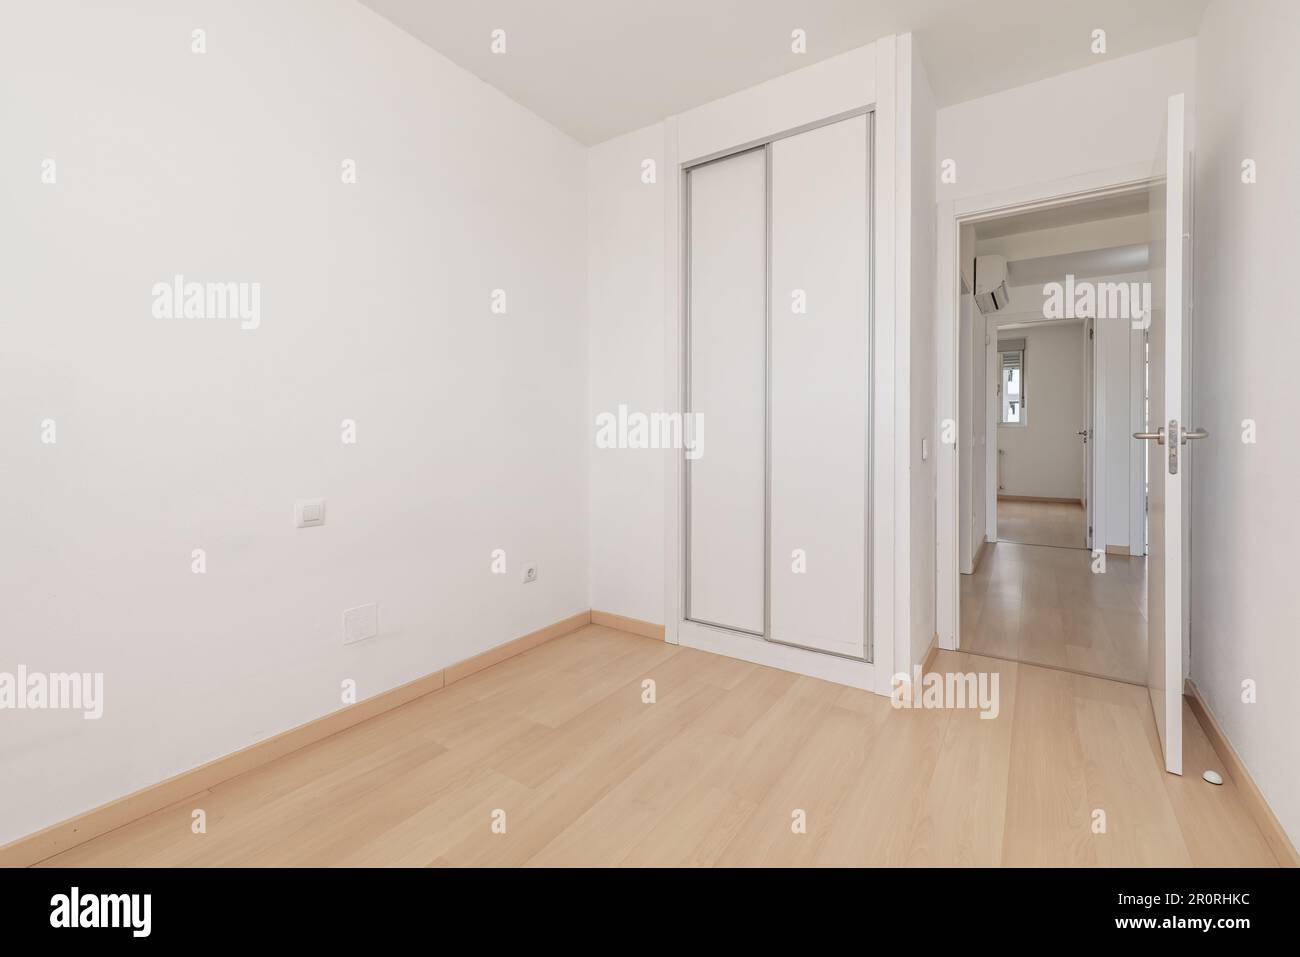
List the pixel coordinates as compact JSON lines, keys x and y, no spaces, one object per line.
{"x":1088,"y":433}
{"x":1167,"y":436}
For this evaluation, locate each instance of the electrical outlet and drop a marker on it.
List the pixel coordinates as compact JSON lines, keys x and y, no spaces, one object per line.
{"x":360,"y":623}
{"x":530,"y":573}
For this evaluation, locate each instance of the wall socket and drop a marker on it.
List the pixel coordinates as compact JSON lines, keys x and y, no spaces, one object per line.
{"x":530,"y":573}
{"x":309,"y":512}
{"x":360,"y":623}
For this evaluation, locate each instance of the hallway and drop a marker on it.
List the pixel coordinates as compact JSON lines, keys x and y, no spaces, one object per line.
{"x":1041,"y":523}
{"x":1044,"y":605}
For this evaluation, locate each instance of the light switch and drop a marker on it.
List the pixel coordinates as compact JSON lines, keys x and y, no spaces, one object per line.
{"x":309,"y":512}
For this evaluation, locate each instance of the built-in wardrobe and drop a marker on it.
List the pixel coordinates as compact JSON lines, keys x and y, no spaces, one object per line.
{"x":777,"y":360}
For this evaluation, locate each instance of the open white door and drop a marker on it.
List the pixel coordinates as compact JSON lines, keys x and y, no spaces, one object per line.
{"x":1167,"y":436}
{"x":1088,"y":432}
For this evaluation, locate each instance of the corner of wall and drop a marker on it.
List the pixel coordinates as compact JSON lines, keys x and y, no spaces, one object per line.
{"x":917,"y":356}
{"x":625,"y":328}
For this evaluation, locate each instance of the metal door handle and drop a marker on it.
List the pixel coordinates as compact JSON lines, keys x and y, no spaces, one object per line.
{"x":1194,"y":434}
{"x":1158,"y":435}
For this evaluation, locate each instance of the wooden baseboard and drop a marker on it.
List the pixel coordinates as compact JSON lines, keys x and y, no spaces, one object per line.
{"x":1040,"y":498}
{"x":929,"y":655}
{"x":636,"y":626}
{"x":77,"y":830}
{"x":463,"y":669}
{"x":1265,"y":819}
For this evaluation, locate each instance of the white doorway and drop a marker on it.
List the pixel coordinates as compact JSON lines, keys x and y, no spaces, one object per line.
{"x":1043,"y":455}
{"x":1058,"y":576}
{"x":1021,"y":622}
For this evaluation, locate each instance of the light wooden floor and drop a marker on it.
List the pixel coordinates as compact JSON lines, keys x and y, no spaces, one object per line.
{"x":586,"y":773}
{"x":1045,"y":605}
{"x":1042,"y":523}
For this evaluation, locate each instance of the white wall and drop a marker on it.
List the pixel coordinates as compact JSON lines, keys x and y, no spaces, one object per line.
{"x":173,"y":434}
{"x":1245,"y":604}
{"x":1044,"y":457}
{"x":1101,"y":117}
{"x":921,"y":189}
{"x":625,"y":292}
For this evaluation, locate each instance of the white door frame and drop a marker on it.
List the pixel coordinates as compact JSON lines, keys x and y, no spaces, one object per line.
{"x":951,"y":215}
{"x":1091,"y":459}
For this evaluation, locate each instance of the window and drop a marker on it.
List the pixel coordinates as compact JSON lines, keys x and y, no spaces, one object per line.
{"x":1011,"y":383}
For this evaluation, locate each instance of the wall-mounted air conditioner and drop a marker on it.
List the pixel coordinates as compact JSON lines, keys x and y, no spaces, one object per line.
{"x":991,"y":292}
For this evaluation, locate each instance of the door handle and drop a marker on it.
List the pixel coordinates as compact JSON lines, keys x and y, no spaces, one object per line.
{"x":1158,"y":435}
{"x":1194,"y":434}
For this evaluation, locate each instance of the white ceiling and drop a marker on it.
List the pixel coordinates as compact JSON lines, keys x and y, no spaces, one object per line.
{"x":1083,"y":264}
{"x":1133,"y":203}
{"x":1108,"y":236}
{"x":597,"y":68}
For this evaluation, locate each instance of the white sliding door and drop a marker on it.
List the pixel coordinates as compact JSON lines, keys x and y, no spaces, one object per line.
{"x":820,"y":384}
{"x":726,"y":330}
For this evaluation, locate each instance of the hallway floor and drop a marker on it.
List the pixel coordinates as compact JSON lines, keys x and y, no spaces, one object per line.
{"x":1046,"y":606}
{"x":558,"y":745}
{"x":1042,"y":523}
